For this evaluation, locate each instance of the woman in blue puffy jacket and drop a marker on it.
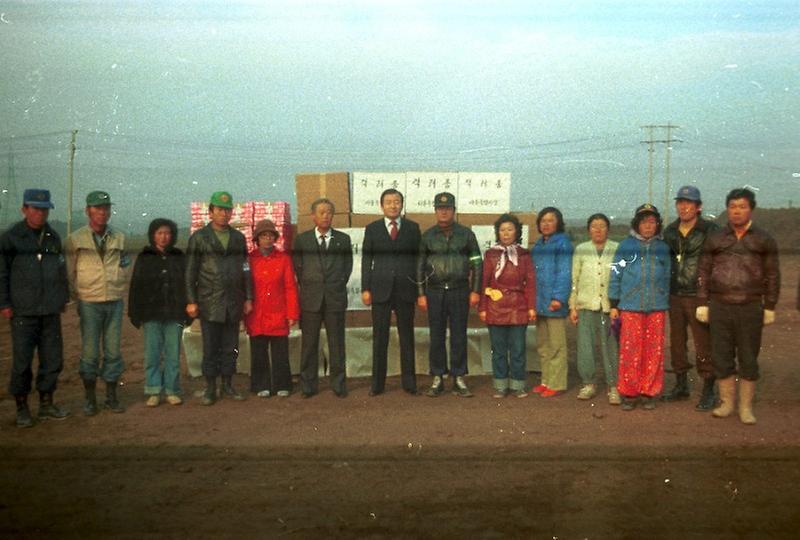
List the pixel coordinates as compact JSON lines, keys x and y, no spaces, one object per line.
{"x":639,"y":296}
{"x":552,"y":258}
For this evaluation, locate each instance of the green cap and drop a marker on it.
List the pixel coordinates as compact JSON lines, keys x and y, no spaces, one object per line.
{"x":98,"y":198}
{"x":222,"y":199}
{"x":444,"y":200}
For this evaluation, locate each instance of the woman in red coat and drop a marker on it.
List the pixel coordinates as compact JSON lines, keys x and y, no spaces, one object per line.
{"x":507,"y":304}
{"x":275,"y":309}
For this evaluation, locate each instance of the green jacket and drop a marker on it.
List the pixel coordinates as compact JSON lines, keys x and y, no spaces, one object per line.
{"x":218,"y":279}
{"x":449,"y":262}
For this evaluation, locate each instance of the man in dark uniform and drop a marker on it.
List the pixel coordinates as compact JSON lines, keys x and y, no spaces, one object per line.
{"x":685,"y":237}
{"x":449,"y":275}
{"x":33,"y":293}
{"x":388,"y":275}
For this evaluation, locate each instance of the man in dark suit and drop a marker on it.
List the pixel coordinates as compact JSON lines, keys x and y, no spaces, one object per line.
{"x":323,"y":260}
{"x":388,"y":282}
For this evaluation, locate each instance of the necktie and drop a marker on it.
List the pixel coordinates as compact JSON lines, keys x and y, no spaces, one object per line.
{"x":323,"y":245}
{"x":393,"y":229}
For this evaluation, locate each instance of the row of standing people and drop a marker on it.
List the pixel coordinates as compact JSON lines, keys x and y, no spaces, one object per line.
{"x":444,"y":266}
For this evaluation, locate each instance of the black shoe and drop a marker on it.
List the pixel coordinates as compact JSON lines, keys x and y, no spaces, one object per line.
{"x":680,"y":391}
{"x":24,"y":418}
{"x":460,"y":387}
{"x":708,"y":399}
{"x":90,"y":406}
{"x":373,"y":393}
{"x":649,"y":403}
{"x":112,"y":403}
{"x":210,"y":393}
{"x":629,"y":403}
{"x":47,"y":409}
{"x":228,"y":391}
{"x":411,"y":391}
{"x":307,"y":395}
{"x":437,"y":387}
{"x":341,"y":393}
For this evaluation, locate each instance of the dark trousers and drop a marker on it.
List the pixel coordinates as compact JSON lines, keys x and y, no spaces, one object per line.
{"x":735,"y":338}
{"x":682,"y":315}
{"x":381,"y":320}
{"x":448,"y":308}
{"x":220,"y":347}
{"x":310,"y":325}
{"x":270,"y":372}
{"x":27,"y":335}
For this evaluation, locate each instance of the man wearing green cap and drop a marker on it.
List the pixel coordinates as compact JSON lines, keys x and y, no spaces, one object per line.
{"x":97,"y":269}
{"x":219,"y":292}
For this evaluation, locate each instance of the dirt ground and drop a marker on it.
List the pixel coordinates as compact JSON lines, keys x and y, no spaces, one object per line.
{"x":402,"y":466}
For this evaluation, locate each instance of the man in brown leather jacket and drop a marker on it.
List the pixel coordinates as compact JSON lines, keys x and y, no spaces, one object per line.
{"x":738,"y":286}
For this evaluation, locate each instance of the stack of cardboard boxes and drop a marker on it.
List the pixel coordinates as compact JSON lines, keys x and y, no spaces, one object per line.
{"x":245,"y":216}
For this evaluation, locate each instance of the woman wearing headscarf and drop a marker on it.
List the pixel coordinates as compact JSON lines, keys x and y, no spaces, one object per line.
{"x":508,"y":303}
{"x":156,"y":302}
{"x":552,"y":258}
{"x":639,"y":295}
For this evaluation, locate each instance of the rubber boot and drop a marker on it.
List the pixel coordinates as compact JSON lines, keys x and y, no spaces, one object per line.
{"x":727,"y":396}
{"x":90,"y":407}
{"x":112,"y":403}
{"x":708,"y":397}
{"x":47,"y":409}
{"x":228,"y":390}
{"x":680,"y":391}
{"x":747,"y":391}
{"x":24,"y":418}
{"x":210,"y":393}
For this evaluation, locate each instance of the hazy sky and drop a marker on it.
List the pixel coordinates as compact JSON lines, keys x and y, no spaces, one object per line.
{"x":174,"y":100}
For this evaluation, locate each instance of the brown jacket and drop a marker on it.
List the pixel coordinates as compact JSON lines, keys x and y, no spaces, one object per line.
{"x":739,"y":271}
{"x":517,"y":285}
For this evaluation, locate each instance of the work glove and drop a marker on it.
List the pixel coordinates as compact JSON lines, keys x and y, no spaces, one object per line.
{"x":701,"y":313}
{"x":769,"y":316}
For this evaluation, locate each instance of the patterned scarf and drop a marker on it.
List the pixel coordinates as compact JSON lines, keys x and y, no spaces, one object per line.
{"x":508,"y":253}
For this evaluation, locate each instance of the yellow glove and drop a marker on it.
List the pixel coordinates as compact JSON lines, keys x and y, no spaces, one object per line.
{"x":769,"y":316}
{"x":494,"y":294}
{"x":701,"y":313}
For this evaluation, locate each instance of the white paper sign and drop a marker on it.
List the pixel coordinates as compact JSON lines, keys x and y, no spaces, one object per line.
{"x":367,"y":188}
{"x":485,"y":236}
{"x":421,"y":187}
{"x":354,"y":283}
{"x":484,"y":193}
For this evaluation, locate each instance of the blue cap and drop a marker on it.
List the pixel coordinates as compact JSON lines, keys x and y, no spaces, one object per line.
{"x":38,"y":198}
{"x":688,"y":193}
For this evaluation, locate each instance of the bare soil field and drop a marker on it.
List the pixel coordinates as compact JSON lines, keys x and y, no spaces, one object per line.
{"x":409,"y":467}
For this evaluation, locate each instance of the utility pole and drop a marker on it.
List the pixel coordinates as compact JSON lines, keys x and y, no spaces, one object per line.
{"x":69,"y":180}
{"x":650,"y":149}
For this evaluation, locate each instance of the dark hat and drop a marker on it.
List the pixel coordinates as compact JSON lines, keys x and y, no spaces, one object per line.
{"x":688,"y":193}
{"x":98,"y":198}
{"x":647,"y":208}
{"x":38,"y":198}
{"x":222,"y":199}
{"x":265,"y":226}
{"x":444,"y":200}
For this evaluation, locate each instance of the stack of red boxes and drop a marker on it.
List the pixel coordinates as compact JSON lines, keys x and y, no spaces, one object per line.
{"x":245,"y":216}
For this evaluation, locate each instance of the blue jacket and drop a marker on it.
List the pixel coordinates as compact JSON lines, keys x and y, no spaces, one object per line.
{"x":640,"y":275}
{"x":553,"y":262}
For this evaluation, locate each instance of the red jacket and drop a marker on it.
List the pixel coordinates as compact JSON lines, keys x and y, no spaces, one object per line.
{"x":274,"y":294}
{"x":518,"y":285}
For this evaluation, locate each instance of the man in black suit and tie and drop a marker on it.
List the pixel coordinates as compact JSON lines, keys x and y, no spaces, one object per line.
{"x":388,"y":283}
{"x":323,"y":260}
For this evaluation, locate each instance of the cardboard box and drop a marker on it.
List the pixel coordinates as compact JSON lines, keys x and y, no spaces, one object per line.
{"x":362,"y":220}
{"x":468,"y":220}
{"x":306,"y":222}
{"x":367,"y":188}
{"x":312,"y":186}
{"x":425,"y":221}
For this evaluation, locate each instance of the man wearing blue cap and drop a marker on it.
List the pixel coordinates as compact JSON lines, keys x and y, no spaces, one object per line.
{"x":97,"y":269}
{"x":33,"y":293}
{"x":685,"y":237}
